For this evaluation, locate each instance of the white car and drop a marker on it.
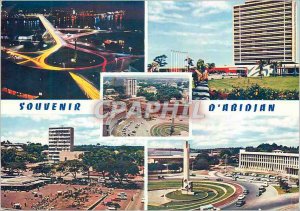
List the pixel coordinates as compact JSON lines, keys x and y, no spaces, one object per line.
{"x":241,"y":197}
{"x":111,"y":208}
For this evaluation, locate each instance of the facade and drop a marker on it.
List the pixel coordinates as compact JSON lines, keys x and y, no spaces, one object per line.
{"x":264,"y":30}
{"x":60,"y":139}
{"x":151,"y":89}
{"x":131,"y":87}
{"x":276,"y":161}
{"x":68,"y":155}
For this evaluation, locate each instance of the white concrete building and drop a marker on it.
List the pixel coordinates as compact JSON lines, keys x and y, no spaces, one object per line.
{"x":60,"y":139}
{"x":264,"y":30}
{"x":131,"y":87}
{"x":276,"y":161}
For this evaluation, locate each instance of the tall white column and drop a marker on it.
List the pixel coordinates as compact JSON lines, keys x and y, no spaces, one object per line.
{"x":186,"y":161}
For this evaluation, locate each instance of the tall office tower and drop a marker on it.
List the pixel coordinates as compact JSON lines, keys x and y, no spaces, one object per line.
{"x":264,"y":29}
{"x":131,"y":87}
{"x":60,"y":139}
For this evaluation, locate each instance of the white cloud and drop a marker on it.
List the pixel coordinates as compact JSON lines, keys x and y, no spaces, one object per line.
{"x":206,"y":8}
{"x":241,"y":131}
{"x":165,"y":11}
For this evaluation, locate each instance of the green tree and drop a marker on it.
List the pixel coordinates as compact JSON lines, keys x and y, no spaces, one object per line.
{"x":44,"y":169}
{"x":74,"y":167}
{"x":274,"y":65}
{"x":16,"y":166}
{"x":8,"y":156}
{"x":161,"y":60}
{"x":201,"y":164}
{"x":174,"y":167}
{"x":201,"y":66}
{"x":120,"y":169}
{"x":225,"y":152}
{"x":61,"y":169}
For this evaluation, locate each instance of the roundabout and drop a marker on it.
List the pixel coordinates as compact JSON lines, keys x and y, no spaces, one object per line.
{"x":206,"y":192}
{"x":164,"y":129}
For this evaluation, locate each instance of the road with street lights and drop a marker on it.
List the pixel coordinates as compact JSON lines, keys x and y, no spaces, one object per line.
{"x":40,"y":59}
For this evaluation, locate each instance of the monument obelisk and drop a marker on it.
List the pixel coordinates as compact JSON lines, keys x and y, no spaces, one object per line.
{"x":187,"y":185}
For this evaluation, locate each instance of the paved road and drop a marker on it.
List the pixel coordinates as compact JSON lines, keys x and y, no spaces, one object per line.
{"x":136,"y":204}
{"x":268,"y":200}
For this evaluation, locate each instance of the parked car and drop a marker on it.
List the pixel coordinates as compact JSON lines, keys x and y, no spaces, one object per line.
{"x":246,"y":192}
{"x":241,"y":197}
{"x":17,"y":206}
{"x":111,"y":208}
{"x":265,"y":184}
{"x":219,"y":179}
{"x":240,"y":203}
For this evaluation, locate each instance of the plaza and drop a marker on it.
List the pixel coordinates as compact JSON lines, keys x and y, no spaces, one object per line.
{"x":69,"y":197}
{"x":153,"y":127}
{"x":222,"y":186}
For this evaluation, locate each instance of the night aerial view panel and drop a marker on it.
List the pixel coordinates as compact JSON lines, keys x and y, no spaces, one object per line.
{"x":57,"y":50}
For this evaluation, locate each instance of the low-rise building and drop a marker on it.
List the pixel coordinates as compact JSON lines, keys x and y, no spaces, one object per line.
{"x":276,"y":161}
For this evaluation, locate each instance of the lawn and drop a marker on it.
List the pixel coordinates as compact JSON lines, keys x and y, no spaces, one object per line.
{"x":177,"y":195}
{"x":157,"y":185}
{"x":281,"y":191}
{"x":213,"y":191}
{"x":278,"y":83}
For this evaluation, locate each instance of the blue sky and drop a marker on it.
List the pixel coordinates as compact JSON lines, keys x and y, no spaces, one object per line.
{"x":34,"y":128}
{"x":202,"y":28}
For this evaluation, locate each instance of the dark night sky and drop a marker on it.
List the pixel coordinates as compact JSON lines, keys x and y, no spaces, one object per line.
{"x":133,"y":8}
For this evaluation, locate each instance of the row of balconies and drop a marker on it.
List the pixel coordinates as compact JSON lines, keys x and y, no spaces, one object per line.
{"x":266,"y":7}
{"x":262,"y":42}
{"x":275,"y":16}
{"x":262,"y":13}
{"x":263,"y":51}
{"x":256,"y":58}
{"x":279,"y":32}
{"x":274,"y":163}
{"x":270,"y":27}
{"x":242,"y":16}
{"x":259,"y":24}
{"x":261,"y":38}
{"x":259,"y":3}
{"x":267,"y":44}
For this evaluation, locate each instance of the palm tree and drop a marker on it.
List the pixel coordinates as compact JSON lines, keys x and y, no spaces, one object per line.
{"x":261,"y":64}
{"x":274,"y":65}
{"x":189,"y":63}
{"x":280,"y":68}
{"x":210,"y":66}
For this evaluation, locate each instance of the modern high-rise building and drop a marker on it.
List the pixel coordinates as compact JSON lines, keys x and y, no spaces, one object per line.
{"x":60,"y":139}
{"x":276,"y":161}
{"x":264,"y":29}
{"x":131,"y":87}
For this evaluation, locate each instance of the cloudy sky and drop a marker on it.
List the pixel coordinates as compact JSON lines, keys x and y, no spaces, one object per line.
{"x":240,"y":131}
{"x":202,"y":28}
{"x":34,"y":128}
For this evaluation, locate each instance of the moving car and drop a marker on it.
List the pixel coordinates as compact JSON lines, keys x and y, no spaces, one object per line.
{"x":208,"y":207}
